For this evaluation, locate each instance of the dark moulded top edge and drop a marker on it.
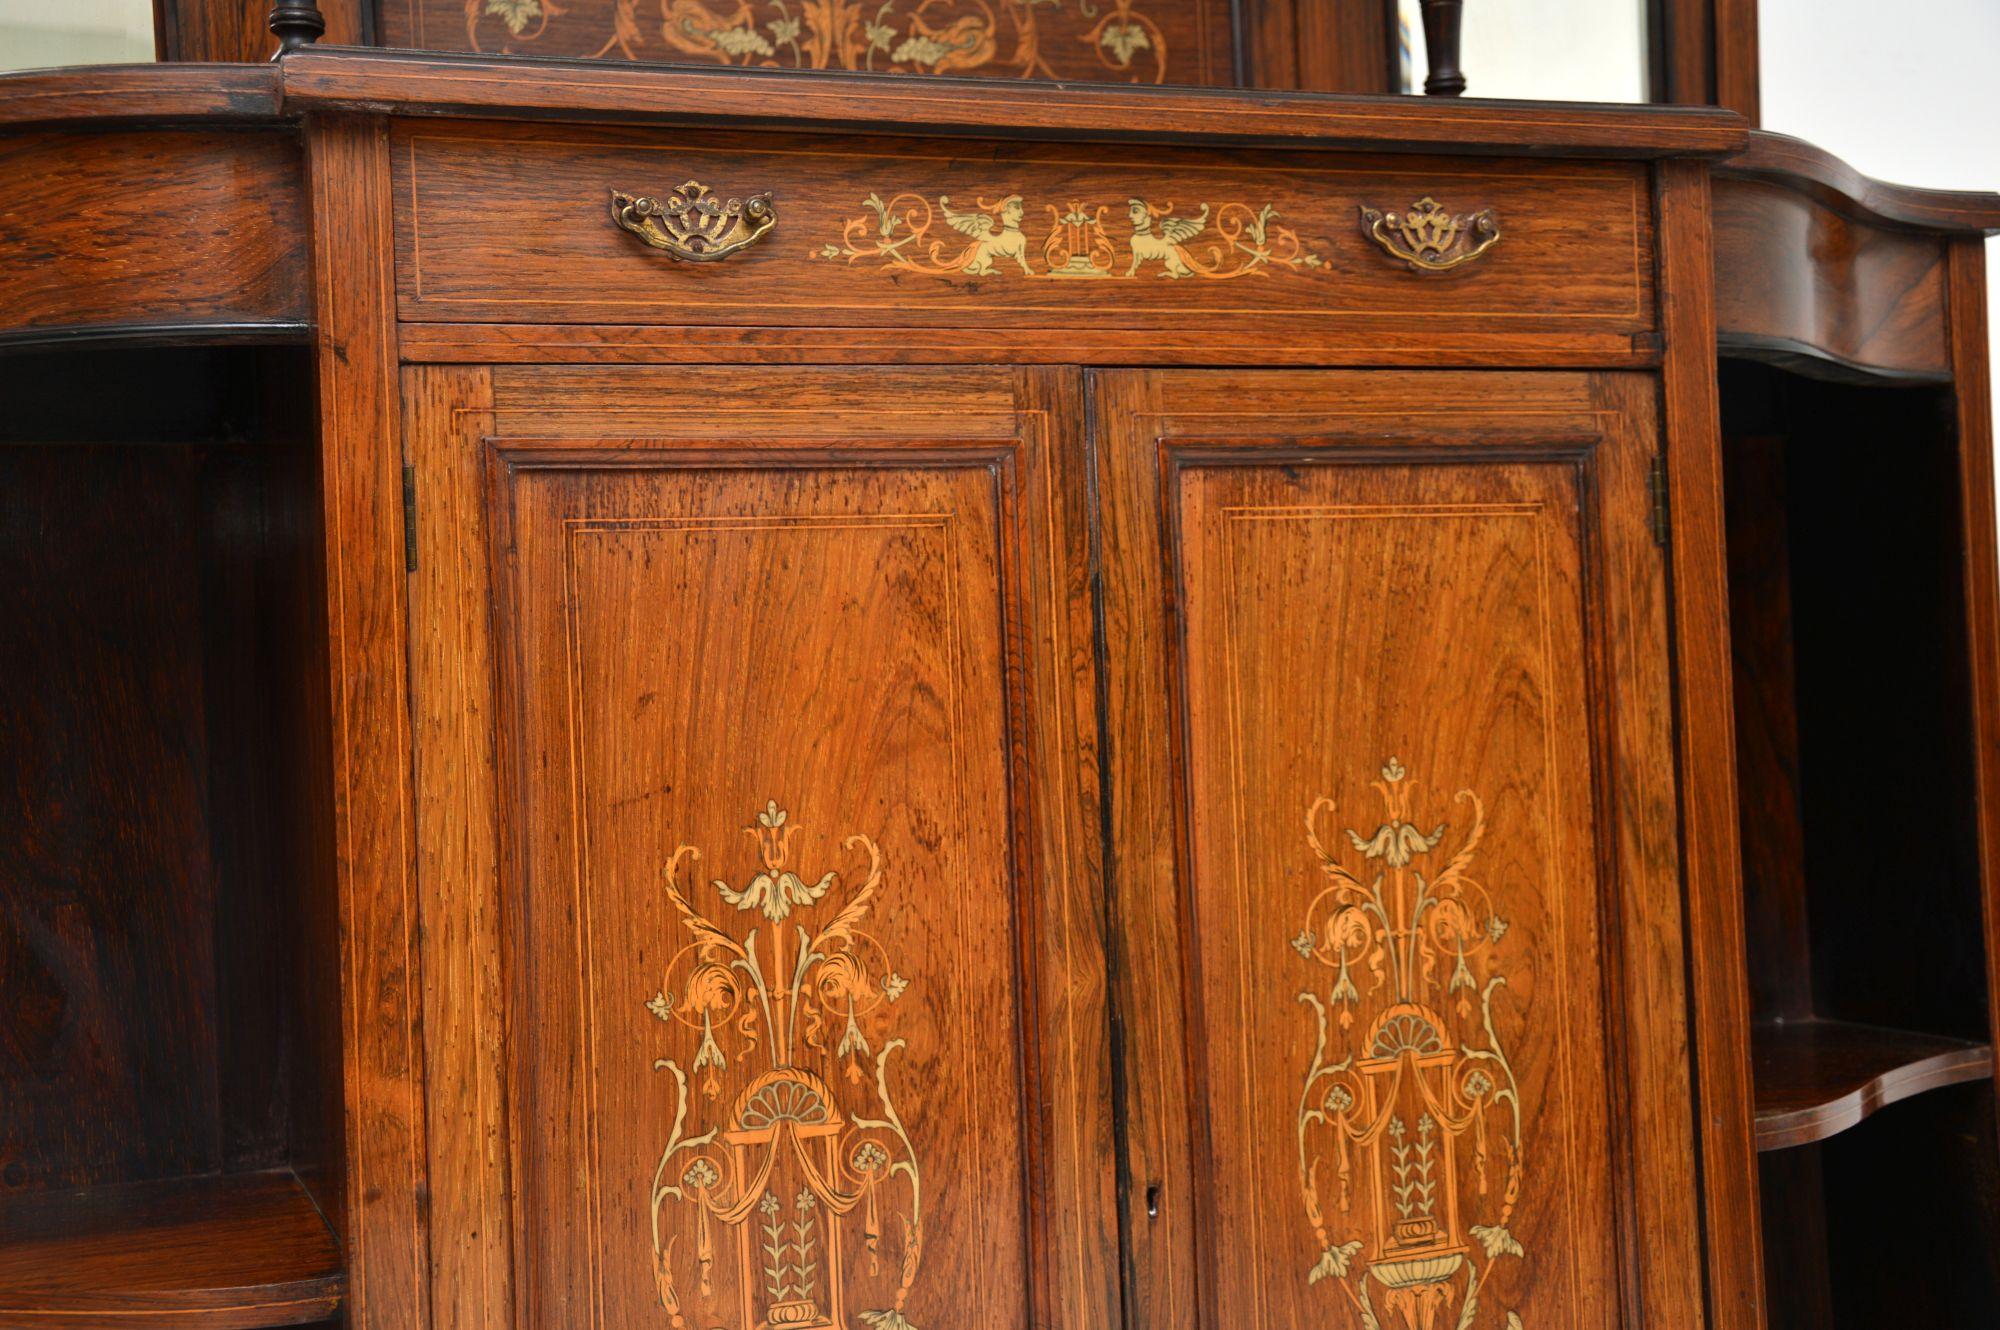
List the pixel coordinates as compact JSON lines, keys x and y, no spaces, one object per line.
{"x":412,"y":83}
{"x":1794,"y":162}
{"x":158,"y":93}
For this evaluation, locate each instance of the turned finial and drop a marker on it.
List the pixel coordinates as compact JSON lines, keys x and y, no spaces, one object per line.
{"x":1441,"y":22}
{"x":297,"y":23}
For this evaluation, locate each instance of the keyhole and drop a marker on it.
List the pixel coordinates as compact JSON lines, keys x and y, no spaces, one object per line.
{"x":1153,"y":1201}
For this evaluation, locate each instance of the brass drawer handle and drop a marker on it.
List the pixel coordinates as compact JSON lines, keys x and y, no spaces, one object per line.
{"x":694,"y":224}
{"x":1430,"y":239}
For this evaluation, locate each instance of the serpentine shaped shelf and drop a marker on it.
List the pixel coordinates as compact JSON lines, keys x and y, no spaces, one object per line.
{"x":222,"y":1253}
{"x":1817,"y":1078}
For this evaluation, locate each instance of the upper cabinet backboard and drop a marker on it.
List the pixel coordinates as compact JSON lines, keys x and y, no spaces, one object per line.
{"x":1123,"y":41}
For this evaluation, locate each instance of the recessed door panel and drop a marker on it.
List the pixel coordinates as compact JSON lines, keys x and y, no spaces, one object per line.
{"x":1393,"y":898}
{"x":772,"y":847}
{"x":1403,"y":808}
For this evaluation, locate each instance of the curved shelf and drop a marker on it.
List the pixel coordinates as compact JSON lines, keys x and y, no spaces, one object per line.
{"x":1817,"y":1078}
{"x":224,"y":1253}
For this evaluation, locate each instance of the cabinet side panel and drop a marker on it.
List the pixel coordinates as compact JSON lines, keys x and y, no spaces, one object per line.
{"x":361,"y":472}
{"x":1974,"y":392}
{"x":1706,"y":748}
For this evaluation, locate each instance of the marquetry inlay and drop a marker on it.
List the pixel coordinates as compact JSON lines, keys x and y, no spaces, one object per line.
{"x":1080,"y":240}
{"x":1410,"y":1089}
{"x":812,"y":1154}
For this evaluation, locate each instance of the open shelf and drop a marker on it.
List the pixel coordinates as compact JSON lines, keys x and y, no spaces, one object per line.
{"x":171,"y":1104}
{"x":1815,"y":1078}
{"x":237,"y":1251}
{"x":1865,"y":890}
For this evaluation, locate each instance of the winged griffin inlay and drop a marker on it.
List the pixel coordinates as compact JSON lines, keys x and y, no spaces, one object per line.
{"x":1410,"y":1088}
{"x":811,"y":1152}
{"x":1216,"y":241}
{"x":1023,"y":38}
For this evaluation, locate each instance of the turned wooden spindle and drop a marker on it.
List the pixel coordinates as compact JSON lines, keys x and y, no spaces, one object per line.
{"x":1441,"y":24}
{"x":296,"y":24}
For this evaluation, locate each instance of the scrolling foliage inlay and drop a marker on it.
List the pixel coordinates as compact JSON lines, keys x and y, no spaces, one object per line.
{"x":1216,"y":241}
{"x":1409,"y":1082}
{"x":1105,"y":39}
{"x":812,"y":1151}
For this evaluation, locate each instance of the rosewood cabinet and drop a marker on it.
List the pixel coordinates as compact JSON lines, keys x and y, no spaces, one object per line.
{"x":738,"y":700}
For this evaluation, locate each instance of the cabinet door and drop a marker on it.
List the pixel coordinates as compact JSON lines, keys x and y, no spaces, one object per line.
{"x":764,"y":983}
{"x":1395,"y":884}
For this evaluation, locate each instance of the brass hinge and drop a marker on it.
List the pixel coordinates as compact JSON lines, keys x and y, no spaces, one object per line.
{"x":409,"y":519}
{"x":1656,"y":485}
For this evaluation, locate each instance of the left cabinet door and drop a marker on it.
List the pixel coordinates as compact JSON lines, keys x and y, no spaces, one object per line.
{"x":763,"y":979}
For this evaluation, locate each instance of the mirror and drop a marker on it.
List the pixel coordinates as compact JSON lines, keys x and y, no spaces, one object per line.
{"x":1545,"y":50}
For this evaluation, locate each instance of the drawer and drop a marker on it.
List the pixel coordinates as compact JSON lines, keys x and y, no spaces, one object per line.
{"x":499,"y":224}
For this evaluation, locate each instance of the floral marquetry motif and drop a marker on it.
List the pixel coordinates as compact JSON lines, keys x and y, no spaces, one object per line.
{"x":1137,"y":41}
{"x":1214,"y":241}
{"x":806,"y":1183}
{"x":1410,"y":1156}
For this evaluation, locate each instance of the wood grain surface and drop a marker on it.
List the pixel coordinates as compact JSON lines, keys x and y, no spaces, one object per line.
{"x":220,"y":1253}
{"x":528,"y":89}
{"x":368,"y":651}
{"x":1816,"y":1078}
{"x":1712,"y":863}
{"x":1796,"y":278}
{"x":638,"y":344}
{"x":1833,"y":182}
{"x":1575,"y":252}
{"x":107,"y":930}
{"x":163,"y":228}
{"x":1972,"y":392}
{"x":171,"y":93}
{"x":1383,"y":590}
{"x":916,"y":675}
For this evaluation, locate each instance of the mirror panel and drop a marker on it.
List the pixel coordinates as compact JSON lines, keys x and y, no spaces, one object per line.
{"x":1545,"y":50}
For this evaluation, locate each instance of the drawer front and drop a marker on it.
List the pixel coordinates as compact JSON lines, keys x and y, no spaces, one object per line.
{"x":500,"y":224}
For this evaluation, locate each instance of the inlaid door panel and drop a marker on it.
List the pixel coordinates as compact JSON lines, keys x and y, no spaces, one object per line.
{"x":1394,"y":811}
{"x":800,"y":978}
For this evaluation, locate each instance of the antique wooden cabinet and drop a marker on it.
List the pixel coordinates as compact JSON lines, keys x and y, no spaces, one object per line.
{"x":719,"y":698}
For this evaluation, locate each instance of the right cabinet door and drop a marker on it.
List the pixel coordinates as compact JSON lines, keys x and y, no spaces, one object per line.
{"x":1394,"y":862}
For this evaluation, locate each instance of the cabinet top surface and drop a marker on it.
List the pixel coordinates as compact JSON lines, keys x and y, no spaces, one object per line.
{"x":405,"y":83}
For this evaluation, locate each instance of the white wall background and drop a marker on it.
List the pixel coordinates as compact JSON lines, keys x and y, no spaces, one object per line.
{"x":1905,"y":92}
{"x":38,"y":34}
